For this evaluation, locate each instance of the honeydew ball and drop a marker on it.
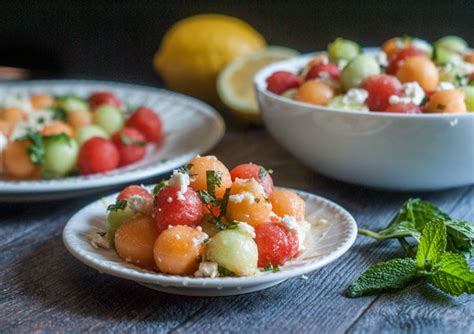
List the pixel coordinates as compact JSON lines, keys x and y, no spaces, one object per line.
{"x":73,"y":103}
{"x":88,"y":131}
{"x":357,"y":70}
{"x":109,"y":118}
{"x":343,"y":49}
{"x":235,"y":251}
{"x":451,"y":43}
{"x":60,"y":156}
{"x":444,"y":56}
{"x":469,"y":99}
{"x":115,"y":219}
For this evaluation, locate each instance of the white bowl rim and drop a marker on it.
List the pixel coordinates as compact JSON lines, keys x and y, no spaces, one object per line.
{"x":219,"y":282}
{"x":260,"y":87}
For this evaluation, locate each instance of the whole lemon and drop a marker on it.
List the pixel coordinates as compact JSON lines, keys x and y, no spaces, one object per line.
{"x":194,"y":51}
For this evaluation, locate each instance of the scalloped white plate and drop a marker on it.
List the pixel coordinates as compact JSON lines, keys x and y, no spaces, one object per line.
{"x":327,"y":242}
{"x":191,"y":126}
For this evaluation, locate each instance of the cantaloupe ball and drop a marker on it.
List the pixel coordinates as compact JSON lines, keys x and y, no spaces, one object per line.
{"x":4,"y":127}
{"x":13,"y":115}
{"x":469,"y":57}
{"x":247,"y":203}
{"x":201,"y":165}
{"x":78,"y":118}
{"x":315,"y":92}
{"x":447,"y":101}
{"x":286,"y":202}
{"x":41,"y":101}
{"x":17,"y":162}
{"x":57,"y":128}
{"x":393,"y":45}
{"x":419,"y":69}
{"x":134,"y":241}
{"x":177,"y":250}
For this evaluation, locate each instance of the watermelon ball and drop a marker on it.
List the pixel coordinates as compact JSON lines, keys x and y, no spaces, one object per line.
{"x":104,"y":98}
{"x":130,"y":144}
{"x":317,"y":70}
{"x":380,"y":87}
{"x":400,"y":56}
{"x":148,"y":123}
{"x":252,"y":171}
{"x":135,"y":190}
{"x":404,"y":108}
{"x":97,"y":155}
{"x":173,"y":207}
{"x":281,"y":81}
{"x":276,"y":244}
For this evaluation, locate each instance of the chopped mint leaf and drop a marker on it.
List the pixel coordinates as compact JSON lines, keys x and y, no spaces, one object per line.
{"x":263,"y":172}
{"x":127,"y":141}
{"x":159,"y":186}
{"x":119,"y":205}
{"x":213,"y":179}
{"x":186,"y":169}
{"x":36,"y":149}
{"x":224,"y":271}
{"x":440,"y":106}
{"x":206,"y":198}
{"x":257,"y":200}
{"x":224,"y":203}
{"x":272,"y":268}
{"x":424,"y":101}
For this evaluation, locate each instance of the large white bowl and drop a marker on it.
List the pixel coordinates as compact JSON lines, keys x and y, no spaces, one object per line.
{"x":381,"y":150}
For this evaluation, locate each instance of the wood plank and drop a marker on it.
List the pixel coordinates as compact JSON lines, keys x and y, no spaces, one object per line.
{"x":422,"y":308}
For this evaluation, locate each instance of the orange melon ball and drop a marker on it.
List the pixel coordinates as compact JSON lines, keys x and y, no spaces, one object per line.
{"x":201,"y":165}
{"x":78,"y":118}
{"x":134,"y":241}
{"x":17,"y":162}
{"x":469,"y":57}
{"x":314,"y":92}
{"x":318,"y":59}
{"x":5,"y":127}
{"x":247,"y":202}
{"x":420,"y":69}
{"x":447,"y":101}
{"x":13,"y":116}
{"x":286,"y":202}
{"x":41,"y":101}
{"x":177,"y":250}
{"x":393,"y":45}
{"x":57,"y":128}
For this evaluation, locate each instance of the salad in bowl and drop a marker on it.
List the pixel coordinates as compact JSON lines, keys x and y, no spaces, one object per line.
{"x":406,"y":75}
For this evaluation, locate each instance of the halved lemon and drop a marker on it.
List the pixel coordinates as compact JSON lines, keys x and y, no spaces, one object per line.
{"x":235,"y":82}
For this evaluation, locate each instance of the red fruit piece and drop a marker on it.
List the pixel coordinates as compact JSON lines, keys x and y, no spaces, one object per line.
{"x":331,"y":69}
{"x":97,"y":155}
{"x":276,"y":244}
{"x":280,"y":81}
{"x":172,"y":208}
{"x":130,"y":144}
{"x":380,"y":87}
{"x":135,"y":190}
{"x":251,"y":171}
{"x":405,"y":108}
{"x":400,"y":56}
{"x":100,"y":98}
{"x":148,"y":123}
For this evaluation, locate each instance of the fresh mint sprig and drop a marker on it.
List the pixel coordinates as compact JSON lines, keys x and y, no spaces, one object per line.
{"x":445,"y":270}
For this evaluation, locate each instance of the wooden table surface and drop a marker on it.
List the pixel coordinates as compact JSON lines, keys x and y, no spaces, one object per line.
{"x":43,"y":288}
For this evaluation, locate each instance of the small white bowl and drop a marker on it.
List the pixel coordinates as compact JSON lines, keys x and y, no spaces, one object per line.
{"x":376,"y":149}
{"x":326,"y":242}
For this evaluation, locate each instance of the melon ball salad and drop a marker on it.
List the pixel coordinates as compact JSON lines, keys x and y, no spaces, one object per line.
{"x":407,"y":75}
{"x":207,"y":222}
{"x":46,"y":136}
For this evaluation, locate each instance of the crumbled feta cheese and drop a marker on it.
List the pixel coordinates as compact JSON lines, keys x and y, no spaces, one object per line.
{"x":20,"y":101}
{"x":207,"y":269}
{"x":248,"y":229}
{"x":243,"y":196}
{"x":97,"y":239}
{"x":381,"y":58}
{"x":412,"y":93}
{"x":3,"y":141}
{"x":355,"y":96}
{"x":139,"y":204}
{"x":341,"y":63}
{"x":180,"y":180}
{"x":445,"y":85}
{"x":324,"y":76}
{"x":422,"y":45}
{"x":301,"y":228}
{"x":203,"y":237}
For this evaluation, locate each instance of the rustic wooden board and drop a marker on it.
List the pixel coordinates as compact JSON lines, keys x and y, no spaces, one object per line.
{"x":46,"y":289}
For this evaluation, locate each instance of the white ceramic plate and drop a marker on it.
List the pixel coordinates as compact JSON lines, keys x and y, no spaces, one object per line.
{"x":191,"y":126}
{"x":382,"y":150}
{"x":327,"y":242}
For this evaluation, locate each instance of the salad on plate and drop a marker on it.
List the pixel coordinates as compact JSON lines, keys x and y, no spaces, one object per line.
{"x":406,"y":75}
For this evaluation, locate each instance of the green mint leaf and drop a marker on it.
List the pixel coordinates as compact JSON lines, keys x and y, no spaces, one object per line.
{"x":224,"y":271}
{"x":224,"y":203}
{"x":163,"y":183}
{"x":206,"y":198}
{"x":432,"y":244}
{"x":59,"y":113}
{"x":127,"y":141}
{"x":186,"y":169}
{"x":418,"y":212}
{"x":36,"y":149}
{"x":424,"y":101}
{"x":393,"y":274}
{"x":121,"y":204}
{"x":453,"y":275}
{"x":440,"y":106}
{"x":58,"y":137}
{"x":262,"y":172}
{"x":213,"y":179}
{"x":460,"y":237}
{"x":272,"y":268}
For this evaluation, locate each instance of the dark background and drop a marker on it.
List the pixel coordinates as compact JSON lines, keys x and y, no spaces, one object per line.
{"x":116,"y":40}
